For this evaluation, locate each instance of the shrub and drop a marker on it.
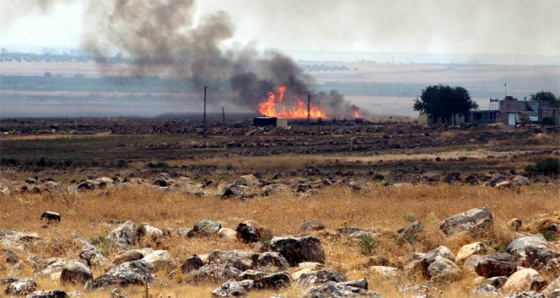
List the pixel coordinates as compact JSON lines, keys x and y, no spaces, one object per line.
{"x":158,"y":165}
{"x":410,"y":216}
{"x":548,"y":121}
{"x":549,"y":235}
{"x":367,"y":245}
{"x":266,"y":238}
{"x":8,"y":162}
{"x":547,"y":166}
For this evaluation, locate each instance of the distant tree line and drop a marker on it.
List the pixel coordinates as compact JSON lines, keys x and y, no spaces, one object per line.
{"x":50,"y":82}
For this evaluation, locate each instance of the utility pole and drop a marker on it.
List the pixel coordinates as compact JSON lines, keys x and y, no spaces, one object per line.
{"x":204,"y":114}
{"x":308,"y":107}
{"x":223,"y":115}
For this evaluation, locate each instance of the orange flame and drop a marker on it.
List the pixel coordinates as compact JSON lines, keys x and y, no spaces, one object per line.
{"x":356,"y":112}
{"x":275,"y":107}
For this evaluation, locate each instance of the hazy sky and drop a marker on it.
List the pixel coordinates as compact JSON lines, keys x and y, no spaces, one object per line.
{"x":518,"y":27}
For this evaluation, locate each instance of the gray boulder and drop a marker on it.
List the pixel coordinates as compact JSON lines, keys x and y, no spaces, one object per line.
{"x":232,"y":189}
{"x":216,"y":273}
{"x":48,"y":294}
{"x":496,"y":264}
{"x":204,"y":227}
{"x":444,"y":270}
{"x":409,"y":232}
{"x":234,"y":288}
{"x":297,"y":250}
{"x":191,"y":264}
{"x":313,"y":225}
{"x":272,"y":261}
{"x":75,"y":272}
{"x":357,"y":288}
{"x":124,"y":236}
{"x":471,"y":220}
{"x":354,"y":232}
{"x":160,"y":260}
{"x":540,"y":258}
{"x":242,"y":260}
{"x":518,"y":245}
{"x":273,"y":281}
{"x":129,"y":273}
{"x":131,"y":255}
{"x":320,"y":277}
{"x":92,"y":256}
{"x":21,"y":286}
{"x":147,"y":232}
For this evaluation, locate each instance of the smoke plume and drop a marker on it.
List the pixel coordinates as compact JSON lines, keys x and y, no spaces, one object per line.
{"x":164,"y":33}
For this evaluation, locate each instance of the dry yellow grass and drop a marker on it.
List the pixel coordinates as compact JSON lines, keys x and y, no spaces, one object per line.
{"x":383,"y":208}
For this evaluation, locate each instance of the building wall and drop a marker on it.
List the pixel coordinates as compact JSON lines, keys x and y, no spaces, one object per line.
{"x":553,"y":113}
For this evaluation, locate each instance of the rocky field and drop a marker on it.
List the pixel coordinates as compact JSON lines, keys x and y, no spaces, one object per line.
{"x":154,"y":208}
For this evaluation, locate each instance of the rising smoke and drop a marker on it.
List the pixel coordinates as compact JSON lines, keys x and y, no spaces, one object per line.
{"x":164,"y":33}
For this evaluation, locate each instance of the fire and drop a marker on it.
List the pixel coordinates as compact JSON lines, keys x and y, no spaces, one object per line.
{"x":356,"y":112}
{"x":275,"y":106}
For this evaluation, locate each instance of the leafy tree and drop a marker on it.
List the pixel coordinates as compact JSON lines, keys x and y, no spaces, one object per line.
{"x":444,"y":102}
{"x":546,"y":96}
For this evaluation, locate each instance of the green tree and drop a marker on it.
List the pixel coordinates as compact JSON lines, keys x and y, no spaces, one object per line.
{"x":546,"y":96}
{"x":444,"y":102}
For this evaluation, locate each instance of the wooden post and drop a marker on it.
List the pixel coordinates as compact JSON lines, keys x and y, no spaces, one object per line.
{"x":204,"y":114}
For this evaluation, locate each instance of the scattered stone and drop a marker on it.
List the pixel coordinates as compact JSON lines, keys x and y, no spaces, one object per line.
{"x":75,"y":272}
{"x":409,"y":232}
{"x":147,"y":232}
{"x":92,"y":256}
{"x":228,"y":234}
{"x":468,"y":250}
{"x":216,"y":273}
{"x":552,"y":287}
{"x":242,"y":260}
{"x":124,"y":236}
{"x":515,"y":224}
{"x":518,"y":245}
{"x":444,"y":270}
{"x":117,"y":293}
{"x":320,"y":277}
{"x":234,"y":288}
{"x":524,"y":280}
{"x":50,"y":216}
{"x":274,"y":281}
{"x":313,"y":225}
{"x":478,"y":218}
{"x":358,"y":288}
{"x":297,"y":250}
{"x":354,"y":232}
{"x":160,"y":260}
{"x":249,"y":231}
{"x":204,"y":227}
{"x":129,"y":273}
{"x":191,"y":264}
{"x":48,"y":294}
{"x":496,"y":264}
{"x":21,"y":286}
{"x":272,"y":261}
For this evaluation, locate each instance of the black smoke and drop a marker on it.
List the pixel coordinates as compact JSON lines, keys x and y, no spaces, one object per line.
{"x":165,"y":35}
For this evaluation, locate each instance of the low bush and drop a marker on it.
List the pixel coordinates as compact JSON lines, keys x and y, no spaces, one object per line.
{"x":547,"y":166}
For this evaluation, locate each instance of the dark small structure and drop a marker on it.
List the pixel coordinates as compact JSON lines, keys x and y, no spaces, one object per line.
{"x":264,"y":121}
{"x":481,"y":116}
{"x":50,"y":216}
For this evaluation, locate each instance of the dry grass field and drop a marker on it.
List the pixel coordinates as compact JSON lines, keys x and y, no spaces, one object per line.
{"x":384,"y":208}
